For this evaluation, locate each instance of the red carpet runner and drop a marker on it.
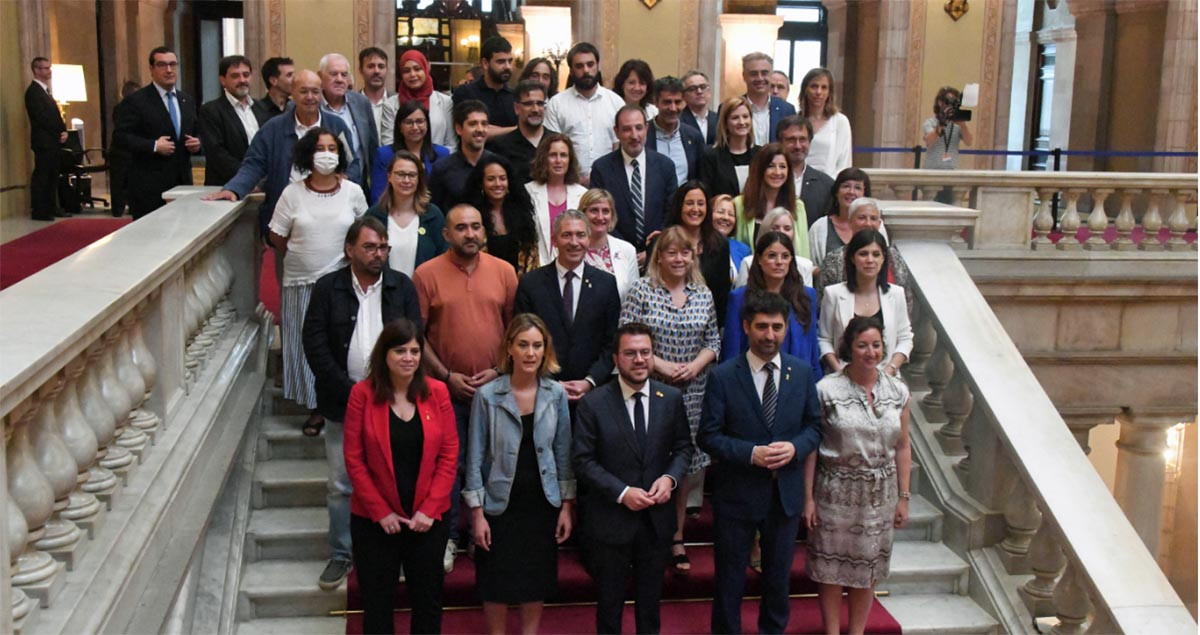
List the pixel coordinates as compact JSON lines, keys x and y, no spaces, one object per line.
{"x":29,"y":254}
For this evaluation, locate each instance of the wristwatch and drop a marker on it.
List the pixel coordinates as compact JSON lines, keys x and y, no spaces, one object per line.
{"x":905,"y":495}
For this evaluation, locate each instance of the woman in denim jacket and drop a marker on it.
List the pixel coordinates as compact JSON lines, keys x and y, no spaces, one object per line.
{"x":520,"y":485}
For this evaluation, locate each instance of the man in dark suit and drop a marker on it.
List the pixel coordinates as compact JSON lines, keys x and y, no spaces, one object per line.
{"x":681,"y":144}
{"x":631,"y":447}
{"x":229,"y":122}
{"x":157,"y":125}
{"x":354,"y":109}
{"x":641,"y":181}
{"x":47,"y":134}
{"x":766,"y":109}
{"x":579,"y":304}
{"x":761,"y":418}
{"x":813,"y":186}
{"x":697,"y":92}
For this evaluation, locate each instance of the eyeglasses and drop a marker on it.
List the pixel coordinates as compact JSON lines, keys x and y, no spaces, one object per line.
{"x":531,"y":103}
{"x":697,"y":88}
{"x":635,"y":354}
{"x":166,"y":65}
{"x":405,"y":176}
{"x":372,"y":248}
{"x":414,"y":123}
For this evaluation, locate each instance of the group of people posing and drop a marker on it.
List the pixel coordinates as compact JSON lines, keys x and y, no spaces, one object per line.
{"x":517,"y":299}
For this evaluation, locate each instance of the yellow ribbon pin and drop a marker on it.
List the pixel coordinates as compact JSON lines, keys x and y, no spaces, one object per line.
{"x":657,"y":394}
{"x":421,"y":231}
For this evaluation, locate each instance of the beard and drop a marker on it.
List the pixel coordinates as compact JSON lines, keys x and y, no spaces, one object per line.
{"x":586,"y":82}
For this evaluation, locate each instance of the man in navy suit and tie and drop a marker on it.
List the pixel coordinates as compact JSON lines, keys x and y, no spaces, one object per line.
{"x":157,"y":126}
{"x":631,"y":446}
{"x":761,"y":418}
{"x":579,"y":304}
{"x":766,"y":109}
{"x":641,"y":181}
{"x":681,"y":144}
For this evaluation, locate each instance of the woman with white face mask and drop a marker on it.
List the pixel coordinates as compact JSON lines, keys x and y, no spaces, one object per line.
{"x":309,"y":225}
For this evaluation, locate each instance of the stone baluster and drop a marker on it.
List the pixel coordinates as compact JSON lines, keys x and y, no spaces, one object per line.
{"x":1046,"y":560}
{"x":1126,"y":223}
{"x":930,"y":192}
{"x":36,"y":573}
{"x":1097,"y":222}
{"x":1043,"y":221}
{"x":141,"y":353}
{"x":16,"y":533}
{"x":957,"y":402}
{"x":1141,"y":473}
{"x":130,"y":377}
{"x":938,"y":371}
{"x":54,"y":461}
{"x":1177,"y":222}
{"x":113,"y":459}
{"x":1021,"y":522}
{"x":79,"y":438}
{"x":117,"y":398}
{"x":962,"y":195}
{"x":1070,"y":222}
{"x":924,"y":341}
{"x":1071,"y":603}
{"x":1152,"y":221}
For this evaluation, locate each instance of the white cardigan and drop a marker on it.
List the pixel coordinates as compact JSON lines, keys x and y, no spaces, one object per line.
{"x":831,"y":150}
{"x":624,"y":261}
{"x":540,"y":197}
{"x":441,"y":121}
{"x":818,"y":235}
{"x":837,"y":309}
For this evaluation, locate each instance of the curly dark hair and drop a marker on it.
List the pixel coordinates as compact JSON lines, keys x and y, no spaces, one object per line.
{"x":793,"y":285}
{"x":539,"y":171}
{"x":306,"y":147}
{"x":857,"y":326}
{"x":527,"y":71}
{"x":518,"y":209}
{"x":642,"y":70}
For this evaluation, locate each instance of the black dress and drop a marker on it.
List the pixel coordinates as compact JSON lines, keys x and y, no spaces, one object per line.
{"x":522,"y":565}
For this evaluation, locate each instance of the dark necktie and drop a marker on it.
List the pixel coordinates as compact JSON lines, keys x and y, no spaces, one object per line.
{"x":769,"y":396}
{"x":569,"y":298}
{"x":635,"y":194}
{"x":639,"y":420}
{"x":174,"y":111}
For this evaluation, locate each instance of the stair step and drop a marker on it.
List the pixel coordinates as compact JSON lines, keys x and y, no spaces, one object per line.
{"x":290,"y":483}
{"x":281,"y":438}
{"x":938,"y":614}
{"x":293,"y":626}
{"x":286,"y":588}
{"x":288,"y":533}
{"x":920,"y":568}
{"x":924,"y":521}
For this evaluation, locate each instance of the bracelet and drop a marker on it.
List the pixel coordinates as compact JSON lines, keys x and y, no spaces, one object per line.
{"x":893,"y":367}
{"x":905,"y":495}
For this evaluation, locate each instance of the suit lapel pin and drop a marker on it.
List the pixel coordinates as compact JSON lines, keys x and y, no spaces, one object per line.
{"x":788,"y":376}
{"x":658,"y":393}
{"x":421,"y":231}
{"x":588,"y":283}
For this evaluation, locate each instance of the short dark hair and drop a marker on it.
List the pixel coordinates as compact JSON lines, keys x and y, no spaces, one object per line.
{"x":582,"y":47}
{"x":398,"y":332}
{"x":405,"y":110}
{"x":627,"y":108}
{"x":858,"y":241}
{"x":760,"y":302}
{"x":632,"y":328}
{"x":858,"y":324}
{"x":850,"y":174}
{"x":371,"y":51}
{"x":493,"y":45}
{"x":465,"y":108}
{"x":33,"y":64}
{"x":159,"y":50}
{"x":668,"y":84}
{"x":230,"y":61}
{"x":791,"y":121}
{"x":642,"y":70}
{"x":302,"y":153}
{"x":526,"y":86}
{"x":270,"y":68}
{"x":369,"y":222}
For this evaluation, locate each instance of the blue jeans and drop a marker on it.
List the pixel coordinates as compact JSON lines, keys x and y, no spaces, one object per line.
{"x":462,"y":416}
{"x":338,"y":489}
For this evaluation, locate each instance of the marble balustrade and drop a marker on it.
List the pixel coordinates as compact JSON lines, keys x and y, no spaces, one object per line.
{"x":1016,"y":208}
{"x":1022,"y":498}
{"x":100,"y":354}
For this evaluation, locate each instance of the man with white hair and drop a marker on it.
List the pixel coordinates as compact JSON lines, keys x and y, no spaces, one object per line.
{"x":352,"y":108}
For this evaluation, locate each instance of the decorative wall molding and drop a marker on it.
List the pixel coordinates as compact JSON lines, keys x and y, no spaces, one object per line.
{"x":989,"y":71}
{"x":915,"y":109}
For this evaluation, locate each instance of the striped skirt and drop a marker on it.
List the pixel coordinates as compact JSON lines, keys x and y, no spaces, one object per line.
{"x":297,"y":378}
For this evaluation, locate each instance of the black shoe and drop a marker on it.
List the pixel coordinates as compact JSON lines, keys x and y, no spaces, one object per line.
{"x":43,"y":217}
{"x":334,"y":574}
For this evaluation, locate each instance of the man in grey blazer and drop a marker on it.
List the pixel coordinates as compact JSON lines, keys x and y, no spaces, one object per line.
{"x":352,"y":108}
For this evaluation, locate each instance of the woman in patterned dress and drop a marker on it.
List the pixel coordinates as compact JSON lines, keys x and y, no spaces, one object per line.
{"x":674,"y":302}
{"x":858,"y":479}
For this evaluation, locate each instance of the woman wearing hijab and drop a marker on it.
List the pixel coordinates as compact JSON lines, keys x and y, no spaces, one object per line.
{"x":416,"y":83}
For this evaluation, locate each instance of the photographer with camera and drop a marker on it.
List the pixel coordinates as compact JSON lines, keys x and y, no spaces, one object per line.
{"x":945,"y":130}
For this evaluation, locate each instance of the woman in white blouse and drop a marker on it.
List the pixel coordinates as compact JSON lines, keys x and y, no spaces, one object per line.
{"x":607,"y":252}
{"x":554,"y":187}
{"x":832,"y":149}
{"x":309,"y":226}
{"x":867,"y":293}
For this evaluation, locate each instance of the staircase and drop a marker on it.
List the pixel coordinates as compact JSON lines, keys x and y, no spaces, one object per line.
{"x":286,"y":549}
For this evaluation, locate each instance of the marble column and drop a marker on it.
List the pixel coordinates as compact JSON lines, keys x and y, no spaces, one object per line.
{"x":597,"y":21}
{"x":1141,"y":471}
{"x":708,"y":46}
{"x":744,"y":33}
{"x":892,"y":81}
{"x":1095,"y":30}
{"x":835,"y":46}
{"x":1176,"y":128}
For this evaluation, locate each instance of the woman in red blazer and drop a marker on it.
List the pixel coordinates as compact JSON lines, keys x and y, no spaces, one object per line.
{"x":401,"y":447}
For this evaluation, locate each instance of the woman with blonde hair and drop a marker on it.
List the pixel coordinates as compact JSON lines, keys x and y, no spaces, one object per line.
{"x":724,"y":167}
{"x":605,"y":251}
{"x":414,"y":224}
{"x":673,"y":300}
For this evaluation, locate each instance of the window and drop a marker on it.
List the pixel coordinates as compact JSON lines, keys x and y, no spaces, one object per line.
{"x":802,"y":38}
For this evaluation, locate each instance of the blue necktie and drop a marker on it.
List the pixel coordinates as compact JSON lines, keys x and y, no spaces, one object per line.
{"x":174,"y":111}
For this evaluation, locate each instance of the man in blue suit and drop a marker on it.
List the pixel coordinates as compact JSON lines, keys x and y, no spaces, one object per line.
{"x":766,"y":109}
{"x":760,"y":420}
{"x":641,"y":181}
{"x":270,"y":154}
{"x":353,"y":108}
{"x":681,"y":144}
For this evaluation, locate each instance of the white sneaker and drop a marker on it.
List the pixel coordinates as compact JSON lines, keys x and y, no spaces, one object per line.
{"x":448,"y":559}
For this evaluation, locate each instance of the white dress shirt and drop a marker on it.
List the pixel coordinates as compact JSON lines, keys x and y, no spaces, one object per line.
{"x":368,"y":324}
{"x":245,"y":115}
{"x":588,"y":121}
{"x":377,"y":108}
{"x":702,"y":123}
{"x":576,"y":285}
{"x":759,"y":374}
{"x":761,"y":118}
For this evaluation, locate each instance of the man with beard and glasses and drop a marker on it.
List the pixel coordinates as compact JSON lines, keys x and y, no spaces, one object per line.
{"x":229,"y":122}
{"x":448,"y":179}
{"x":345,"y":315}
{"x":585,"y":110}
{"x":520,"y":145}
{"x":466,"y":302}
{"x":496,"y":62}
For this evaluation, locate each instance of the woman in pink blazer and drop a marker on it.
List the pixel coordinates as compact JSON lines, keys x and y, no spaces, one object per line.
{"x":401,"y":447}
